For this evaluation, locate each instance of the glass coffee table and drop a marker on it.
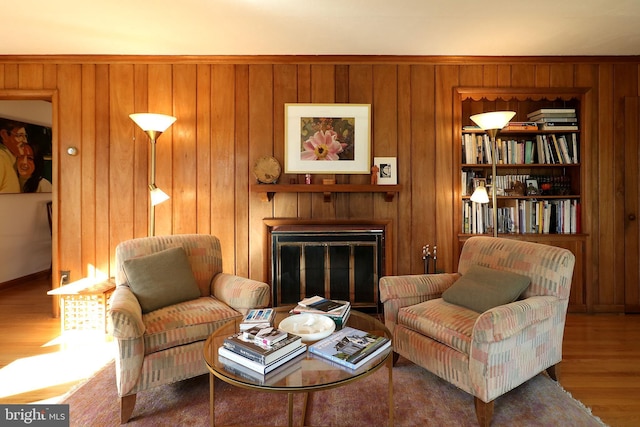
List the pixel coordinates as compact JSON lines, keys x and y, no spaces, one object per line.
{"x":309,"y":373}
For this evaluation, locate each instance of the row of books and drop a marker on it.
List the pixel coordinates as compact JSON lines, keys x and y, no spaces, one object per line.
{"x":555,"y":119}
{"x":544,"y":149}
{"x":557,"y":216}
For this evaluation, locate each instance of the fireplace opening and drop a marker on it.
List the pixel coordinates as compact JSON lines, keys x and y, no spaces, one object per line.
{"x":342,"y":262}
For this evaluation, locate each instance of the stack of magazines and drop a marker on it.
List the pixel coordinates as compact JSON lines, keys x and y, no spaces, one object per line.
{"x":261,"y":349}
{"x":337,"y":310}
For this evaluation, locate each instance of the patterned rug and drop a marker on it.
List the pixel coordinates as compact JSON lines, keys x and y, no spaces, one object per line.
{"x":420,"y":398}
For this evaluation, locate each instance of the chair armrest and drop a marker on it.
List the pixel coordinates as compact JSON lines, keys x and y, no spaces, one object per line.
{"x":125,"y":314}
{"x":402,"y":291}
{"x":505,"y":321}
{"x":240,"y":293}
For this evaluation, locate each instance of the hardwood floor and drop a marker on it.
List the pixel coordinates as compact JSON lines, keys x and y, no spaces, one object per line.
{"x":37,"y":363}
{"x":601,"y":365}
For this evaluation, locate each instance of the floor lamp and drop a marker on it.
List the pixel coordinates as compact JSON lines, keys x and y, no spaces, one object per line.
{"x":491,"y":123}
{"x":153,"y":125}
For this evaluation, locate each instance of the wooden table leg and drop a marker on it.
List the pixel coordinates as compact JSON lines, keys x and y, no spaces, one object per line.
{"x":212,"y":402}
{"x":390,"y":386}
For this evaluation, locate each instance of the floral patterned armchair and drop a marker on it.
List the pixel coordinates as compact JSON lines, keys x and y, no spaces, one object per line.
{"x":488,"y":353}
{"x":166,"y":344}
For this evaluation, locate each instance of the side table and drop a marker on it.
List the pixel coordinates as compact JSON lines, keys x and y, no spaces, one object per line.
{"x":83,"y":304}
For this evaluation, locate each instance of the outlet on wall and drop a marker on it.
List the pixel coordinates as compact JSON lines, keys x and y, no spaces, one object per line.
{"x":65,"y":277}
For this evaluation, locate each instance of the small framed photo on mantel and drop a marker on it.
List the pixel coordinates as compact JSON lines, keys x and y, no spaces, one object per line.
{"x":387,"y":170}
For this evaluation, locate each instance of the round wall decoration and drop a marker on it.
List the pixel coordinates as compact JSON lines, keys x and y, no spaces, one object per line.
{"x":267,"y":170}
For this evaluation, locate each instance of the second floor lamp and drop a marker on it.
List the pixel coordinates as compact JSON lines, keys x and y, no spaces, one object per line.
{"x":492,"y":123}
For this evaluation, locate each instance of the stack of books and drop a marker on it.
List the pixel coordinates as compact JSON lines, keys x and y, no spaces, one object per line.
{"x":558,"y":119}
{"x":261,"y":350}
{"x":337,"y":310}
{"x":350,"y":347}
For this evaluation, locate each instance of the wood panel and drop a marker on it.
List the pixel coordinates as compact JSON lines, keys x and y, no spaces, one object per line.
{"x":230,"y":111}
{"x":632,"y":204}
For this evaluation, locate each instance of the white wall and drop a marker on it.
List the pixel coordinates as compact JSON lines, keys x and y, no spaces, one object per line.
{"x":25,"y":239}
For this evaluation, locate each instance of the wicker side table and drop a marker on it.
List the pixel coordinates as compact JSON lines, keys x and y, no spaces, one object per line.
{"x":83,"y":304}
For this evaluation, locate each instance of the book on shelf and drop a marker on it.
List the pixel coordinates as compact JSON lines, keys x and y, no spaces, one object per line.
{"x":546,"y":112}
{"x":281,"y":371}
{"x":262,"y":335}
{"x":521,"y":126}
{"x":260,"y":353}
{"x":256,"y":316}
{"x":558,"y":126}
{"x":319,"y":303}
{"x":260,"y":367}
{"x":350,"y":347}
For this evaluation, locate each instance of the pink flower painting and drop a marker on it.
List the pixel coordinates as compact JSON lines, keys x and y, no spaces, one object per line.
{"x":327,"y":138}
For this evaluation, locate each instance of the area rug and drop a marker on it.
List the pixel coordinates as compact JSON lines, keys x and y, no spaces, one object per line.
{"x":420,"y":399}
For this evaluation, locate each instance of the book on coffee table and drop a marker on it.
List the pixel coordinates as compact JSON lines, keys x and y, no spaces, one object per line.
{"x":287,"y":367}
{"x":259,"y":367}
{"x":260,"y":353}
{"x":350,"y":347}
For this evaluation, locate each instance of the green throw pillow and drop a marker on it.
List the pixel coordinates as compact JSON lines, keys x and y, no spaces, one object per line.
{"x":161,"y":279}
{"x":482,"y":288}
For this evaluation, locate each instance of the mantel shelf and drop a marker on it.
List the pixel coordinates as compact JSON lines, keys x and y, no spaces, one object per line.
{"x":268,"y":190}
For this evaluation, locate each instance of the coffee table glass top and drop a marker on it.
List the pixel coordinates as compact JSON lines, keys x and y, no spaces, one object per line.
{"x":307,"y":371}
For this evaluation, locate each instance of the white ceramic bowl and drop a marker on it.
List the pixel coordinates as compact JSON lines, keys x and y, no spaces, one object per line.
{"x":309,"y":326}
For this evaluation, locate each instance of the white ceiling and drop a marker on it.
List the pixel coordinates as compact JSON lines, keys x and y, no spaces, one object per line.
{"x":321,"y":27}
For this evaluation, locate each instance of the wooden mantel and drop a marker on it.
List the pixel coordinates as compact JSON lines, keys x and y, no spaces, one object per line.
{"x":268,"y":190}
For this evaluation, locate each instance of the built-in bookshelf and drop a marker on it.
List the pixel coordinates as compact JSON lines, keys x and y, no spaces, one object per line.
{"x":537,"y":181}
{"x":540,"y":168}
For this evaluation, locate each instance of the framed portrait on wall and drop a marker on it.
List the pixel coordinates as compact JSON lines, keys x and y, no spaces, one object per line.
{"x":327,"y":138}
{"x":25,"y":157}
{"x":387,"y":170}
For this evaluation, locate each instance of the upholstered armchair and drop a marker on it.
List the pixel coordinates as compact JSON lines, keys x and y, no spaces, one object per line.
{"x":506,"y":338}
{"x":170,"y":295}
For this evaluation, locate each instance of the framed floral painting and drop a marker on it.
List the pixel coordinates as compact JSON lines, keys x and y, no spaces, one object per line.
{"x":327,"y":138}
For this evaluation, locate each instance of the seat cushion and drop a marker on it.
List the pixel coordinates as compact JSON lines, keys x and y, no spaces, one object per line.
{"x":184,"y":323}
{"x":482,"y":288}
{"x":441,"y":321}
{"x":161,"y":279}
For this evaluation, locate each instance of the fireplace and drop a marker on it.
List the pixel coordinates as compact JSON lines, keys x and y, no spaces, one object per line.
{"x":341,"y":261}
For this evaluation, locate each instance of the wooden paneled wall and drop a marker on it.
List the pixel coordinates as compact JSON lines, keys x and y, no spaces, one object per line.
{"x":231,"y":111}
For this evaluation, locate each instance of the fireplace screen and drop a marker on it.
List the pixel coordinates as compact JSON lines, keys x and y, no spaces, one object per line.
{"x":343,"y":264}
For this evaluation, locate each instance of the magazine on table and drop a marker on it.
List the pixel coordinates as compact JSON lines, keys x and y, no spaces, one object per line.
{"x":322,"y":304}
{"x":350,"y":347}
{"x":257,"y":316}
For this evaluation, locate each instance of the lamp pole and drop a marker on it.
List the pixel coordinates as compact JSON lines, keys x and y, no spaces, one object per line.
{"x":153,"y":125}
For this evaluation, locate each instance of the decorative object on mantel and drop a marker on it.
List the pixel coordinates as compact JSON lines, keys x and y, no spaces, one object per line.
{"x":327,"y":138}
{"x":374,"y":174}
{"x":153,"y":125}
{"x":267,"y":170}
{"x":387,"y":170}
